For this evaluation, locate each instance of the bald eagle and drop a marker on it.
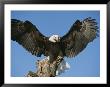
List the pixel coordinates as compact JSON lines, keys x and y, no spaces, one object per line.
{"x":69,"y":45}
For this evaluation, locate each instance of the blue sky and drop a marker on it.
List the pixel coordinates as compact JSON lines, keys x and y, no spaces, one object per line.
{"x":86,"y":64}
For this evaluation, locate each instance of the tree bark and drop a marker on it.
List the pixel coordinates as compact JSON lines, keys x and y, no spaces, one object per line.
{"x":45,"y":69}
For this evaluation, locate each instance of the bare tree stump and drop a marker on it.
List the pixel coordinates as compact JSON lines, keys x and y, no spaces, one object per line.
{"x":45,"y":69}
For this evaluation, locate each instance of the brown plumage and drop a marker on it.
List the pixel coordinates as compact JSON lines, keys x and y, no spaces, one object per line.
{"x":71,"y":44}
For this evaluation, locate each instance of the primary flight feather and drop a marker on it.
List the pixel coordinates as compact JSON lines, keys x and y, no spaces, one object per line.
{"x":70,"y":45}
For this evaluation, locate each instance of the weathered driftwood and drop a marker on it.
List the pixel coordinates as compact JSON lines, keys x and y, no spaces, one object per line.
{"x":45,"y":69}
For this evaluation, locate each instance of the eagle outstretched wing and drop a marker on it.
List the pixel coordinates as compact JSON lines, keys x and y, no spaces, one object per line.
{"x":79,"y":35}
{"x":26,"y":34}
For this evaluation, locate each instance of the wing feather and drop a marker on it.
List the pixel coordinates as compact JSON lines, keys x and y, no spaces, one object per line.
{"x":27,"y":35}
{"x":80,"y":34}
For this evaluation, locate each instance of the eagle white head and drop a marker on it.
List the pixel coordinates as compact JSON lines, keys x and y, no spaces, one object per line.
{"x":54,"y":38}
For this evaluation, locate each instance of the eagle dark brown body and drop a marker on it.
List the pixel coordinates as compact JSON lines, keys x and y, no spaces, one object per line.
{"x":71,"y":44}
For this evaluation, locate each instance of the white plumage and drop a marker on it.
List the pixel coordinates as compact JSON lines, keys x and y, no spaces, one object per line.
{"x":62,"y":67}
